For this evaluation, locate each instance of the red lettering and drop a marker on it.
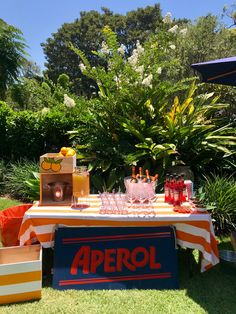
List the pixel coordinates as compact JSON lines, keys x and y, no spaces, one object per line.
{"x":97,"y":257}
{"x":113,"y":259}
{"x":122,"y":258}
{"x":142,"y":262}
{"x":153,"y":264}
{"x":81,"y":259}
{"x":108,"y":260}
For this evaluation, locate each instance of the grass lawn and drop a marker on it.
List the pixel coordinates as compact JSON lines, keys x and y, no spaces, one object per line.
{"x":211,"y":292}
{"x":6,"y":202}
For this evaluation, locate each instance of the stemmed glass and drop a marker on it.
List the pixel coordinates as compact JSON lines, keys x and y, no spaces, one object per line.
{"x":105,"y":203}
{"x":151,"y":201}
{"x":131,"y":200}
{"x":142,"y":198}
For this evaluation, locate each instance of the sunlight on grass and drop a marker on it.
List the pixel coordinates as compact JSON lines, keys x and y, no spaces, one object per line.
{"x":209,"y":292}
{"x":5,"y":203}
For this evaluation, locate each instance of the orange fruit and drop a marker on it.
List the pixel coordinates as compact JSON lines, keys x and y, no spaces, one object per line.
{"x":64,"y":150}
{"x":56,"y":167}
{"x":46,"y":165}
{"x":60,"y":154}
{"x":70,"y":152}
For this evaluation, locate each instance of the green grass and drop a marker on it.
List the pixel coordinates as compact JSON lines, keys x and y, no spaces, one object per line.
{"x":5,"y":203}
{"x":209,"y":292}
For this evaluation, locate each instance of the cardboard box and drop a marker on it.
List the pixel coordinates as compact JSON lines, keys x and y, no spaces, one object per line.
{"x":52,"y":163}
{"x":55,"y":189}
{"x":20,"y":273}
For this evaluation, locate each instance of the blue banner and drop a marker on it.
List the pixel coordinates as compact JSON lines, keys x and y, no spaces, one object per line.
{"x":115,"y":258}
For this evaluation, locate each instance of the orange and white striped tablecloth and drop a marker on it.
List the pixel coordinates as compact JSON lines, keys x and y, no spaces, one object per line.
{"x":193,"y":231}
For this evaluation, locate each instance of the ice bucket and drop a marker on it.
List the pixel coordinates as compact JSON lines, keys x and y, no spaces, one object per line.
{"x":140,"y":189}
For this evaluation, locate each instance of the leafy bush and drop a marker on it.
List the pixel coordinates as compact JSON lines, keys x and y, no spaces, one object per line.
{"x":36,"y":94}
{"x":218,"y":195}
{"x":28,"y":134}
{"x":18,"y":177}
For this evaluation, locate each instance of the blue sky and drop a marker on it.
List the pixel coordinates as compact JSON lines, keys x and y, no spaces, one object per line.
{"x":38,"y":19}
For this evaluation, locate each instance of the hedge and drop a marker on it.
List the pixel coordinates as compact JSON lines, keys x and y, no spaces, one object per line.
{"x":30,"y":134}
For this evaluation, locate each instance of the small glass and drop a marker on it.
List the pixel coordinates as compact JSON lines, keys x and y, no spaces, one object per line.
{"x":81,"y":187}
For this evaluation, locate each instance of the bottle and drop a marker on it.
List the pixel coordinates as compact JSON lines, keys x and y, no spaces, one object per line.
{"x":171,"y":187}
{"x":148,"y":179}
{"x":140,"y":176}
{"x":155,"y":177}
{"x":176,"y":200}
{"x":183,"y":190}
{"x":167,"y":188}
{"x":133,"y":176}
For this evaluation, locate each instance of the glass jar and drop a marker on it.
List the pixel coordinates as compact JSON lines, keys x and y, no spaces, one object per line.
{"x":80,"y":181}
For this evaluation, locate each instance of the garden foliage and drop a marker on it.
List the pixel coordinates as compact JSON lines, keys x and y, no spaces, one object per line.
{"x":145,"y":108}
{"x":143,"y":116}
{"x":218,"y":195}
{"x":29,"y":134}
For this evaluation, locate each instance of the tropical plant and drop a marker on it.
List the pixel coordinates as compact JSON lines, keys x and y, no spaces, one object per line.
{"x":218,"y":194}
{"x":143,"y":117}
{"x":33,"y":185}
{"x":126,"y":96}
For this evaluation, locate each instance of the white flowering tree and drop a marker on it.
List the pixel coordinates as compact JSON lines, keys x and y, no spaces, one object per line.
{"x":139,"y":117}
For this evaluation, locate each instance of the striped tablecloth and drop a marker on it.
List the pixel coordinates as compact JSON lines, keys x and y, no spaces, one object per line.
{"x":193,"y":231}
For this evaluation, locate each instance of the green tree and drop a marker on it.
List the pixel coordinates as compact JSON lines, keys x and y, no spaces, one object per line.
{"x":31,"y":70}
{"x":191,"y":43}
{"x":192,"y":40}
{"x":12,"y":55}
{"x":86,"y":34}
{"x":230,"y":11}
{"x":36,"y":94}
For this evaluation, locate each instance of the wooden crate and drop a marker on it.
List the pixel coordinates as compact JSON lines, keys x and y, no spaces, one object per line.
{"x":52,"y":163}
{"x":48,"y":181}
{"x":20,"y":273}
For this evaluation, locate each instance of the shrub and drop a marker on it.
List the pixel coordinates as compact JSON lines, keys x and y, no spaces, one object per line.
{"x":17,"y":176}
{"x":28,"y":134}
{"x":218,"y":195}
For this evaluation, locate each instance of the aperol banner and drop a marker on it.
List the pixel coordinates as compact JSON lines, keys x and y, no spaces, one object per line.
{"x":115,"y":258}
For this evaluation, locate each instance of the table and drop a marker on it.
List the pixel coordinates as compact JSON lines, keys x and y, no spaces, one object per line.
{"x":194,"y":231}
